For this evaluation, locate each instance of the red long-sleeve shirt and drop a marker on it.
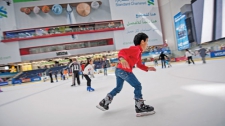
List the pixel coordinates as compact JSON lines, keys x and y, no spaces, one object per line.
{"x":133,"y":56}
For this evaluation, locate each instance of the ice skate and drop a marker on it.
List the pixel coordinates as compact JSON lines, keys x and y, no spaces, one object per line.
{"x":90,"y":89}
{"x":104,"y":104}
{"x":142,"y":109}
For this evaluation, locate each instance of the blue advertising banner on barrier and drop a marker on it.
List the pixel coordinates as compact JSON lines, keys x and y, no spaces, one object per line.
{"x":217,"y":54}
{"x":35,"y":79}
{"x":181,"y":32}
{"x":3,"y":83}
{"x":16,"y":81}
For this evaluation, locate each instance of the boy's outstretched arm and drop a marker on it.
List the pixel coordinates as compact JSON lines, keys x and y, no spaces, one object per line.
{"x":145,"y":68}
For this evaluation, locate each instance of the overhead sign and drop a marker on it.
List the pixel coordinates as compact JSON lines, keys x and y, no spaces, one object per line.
{"x":62,"y":53}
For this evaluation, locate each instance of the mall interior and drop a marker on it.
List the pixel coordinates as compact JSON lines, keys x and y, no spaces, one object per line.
{"x":39,"y":36}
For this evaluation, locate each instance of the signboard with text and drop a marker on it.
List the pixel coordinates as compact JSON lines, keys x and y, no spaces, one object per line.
{"x":181,"y":32}
{"x":138,"y":16}
{"x":217,"y":53}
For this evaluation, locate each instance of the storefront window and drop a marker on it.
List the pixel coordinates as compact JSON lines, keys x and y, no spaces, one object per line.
{"x":68,"y":46}
{"x":63,"y":29}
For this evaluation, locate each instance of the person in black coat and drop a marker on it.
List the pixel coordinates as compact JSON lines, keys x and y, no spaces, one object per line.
{"x":162,"y":57}
{"x":56,"y":73}
{"x":50,"y":75}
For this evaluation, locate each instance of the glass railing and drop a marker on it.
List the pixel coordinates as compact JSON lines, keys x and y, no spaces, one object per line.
{"x":62,"y":30}
{"x":68,"y":46}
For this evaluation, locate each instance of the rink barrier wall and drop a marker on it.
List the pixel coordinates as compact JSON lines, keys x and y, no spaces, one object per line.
{"x":3,"y":83}
{"x":35,"y":79}
{"x":16,"y":81}
{"x":217,"y":54}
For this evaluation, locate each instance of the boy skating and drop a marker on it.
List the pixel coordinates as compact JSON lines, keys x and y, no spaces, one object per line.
{"x":127,"y":59}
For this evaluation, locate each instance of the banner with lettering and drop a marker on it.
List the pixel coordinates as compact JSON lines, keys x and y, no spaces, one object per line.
{"x":217,"y":53}
{"x":138,"y":16}
{"x":181,"y":32}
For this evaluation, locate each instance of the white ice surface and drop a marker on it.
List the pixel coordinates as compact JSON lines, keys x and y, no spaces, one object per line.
{"x":184,"y":95}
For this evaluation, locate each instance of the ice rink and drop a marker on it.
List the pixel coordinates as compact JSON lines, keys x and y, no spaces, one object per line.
{"x":184,"y":95}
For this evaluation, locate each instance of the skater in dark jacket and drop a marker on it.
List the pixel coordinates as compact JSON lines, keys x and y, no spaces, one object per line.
{"x":50,"y":75}
{"x":162,"y":57}
{"x":1,"y":81}
{"x":202,"y":51}
{"x":61,"y":74}
{"x":75,"y":68}
{"x":127,"y":59}
{"x":56,"y":73}
{"x":105,"y":65}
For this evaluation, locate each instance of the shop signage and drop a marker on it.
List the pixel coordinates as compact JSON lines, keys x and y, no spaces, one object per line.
{"x":62,"y":53}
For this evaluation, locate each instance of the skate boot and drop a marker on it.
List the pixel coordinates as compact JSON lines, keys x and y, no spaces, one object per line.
{"x":90,"y":89}
{"x":1,"y":90}
{"x":104,"y":104}
{"x":142,"y":109}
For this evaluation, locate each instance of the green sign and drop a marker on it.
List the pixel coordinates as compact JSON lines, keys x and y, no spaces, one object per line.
{"x":5,"y":57}
{"x":17,"y":1}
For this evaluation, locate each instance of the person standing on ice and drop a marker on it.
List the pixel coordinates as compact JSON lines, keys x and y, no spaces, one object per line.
{"x":128,"y":57}
{"x":188,"y":55}
{"x":75,"y":68}
{"x":1,"y":81}
{"x":162,"y":57}
{"x":202,"y":53}
{"x":88,"y":68}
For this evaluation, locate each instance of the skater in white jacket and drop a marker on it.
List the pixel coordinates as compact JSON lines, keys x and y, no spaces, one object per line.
{"x":88,"y":68}
{"x":188,"y":55}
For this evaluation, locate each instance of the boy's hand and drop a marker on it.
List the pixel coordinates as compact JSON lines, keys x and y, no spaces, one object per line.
{"x":151,"y":69}
{"x":124,"y":63}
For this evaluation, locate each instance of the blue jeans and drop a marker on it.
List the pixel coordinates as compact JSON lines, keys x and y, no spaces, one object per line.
{"x":105,"y":71}
{"x":163,"y":63}
{"x":122,"y":76}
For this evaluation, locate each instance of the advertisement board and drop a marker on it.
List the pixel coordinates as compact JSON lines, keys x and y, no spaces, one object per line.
{"x":138,"y":16}
{"x":7,"y":16}
{"x":217,"y":53}
{"x":181,"y":32}
{"x":26,"y":80}
{"x":3,"y":83}
{"x":35,"y":79}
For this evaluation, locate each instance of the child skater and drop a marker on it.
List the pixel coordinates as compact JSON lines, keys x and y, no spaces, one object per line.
{"x":1,"y":81}
{"x":168,"y":62}
{"x":128,"y":57}
{"x":156,"y":61}
{"x":88,"y":68}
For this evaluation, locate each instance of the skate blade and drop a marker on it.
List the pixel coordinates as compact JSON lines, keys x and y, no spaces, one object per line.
{"x":145,"y":114}
{"x":101,"y":108}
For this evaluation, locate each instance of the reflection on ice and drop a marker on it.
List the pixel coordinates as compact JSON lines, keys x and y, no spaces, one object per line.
{"x":216,"y":90}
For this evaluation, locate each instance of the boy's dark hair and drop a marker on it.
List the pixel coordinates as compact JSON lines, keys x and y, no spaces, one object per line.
{"x":139,"y":37}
